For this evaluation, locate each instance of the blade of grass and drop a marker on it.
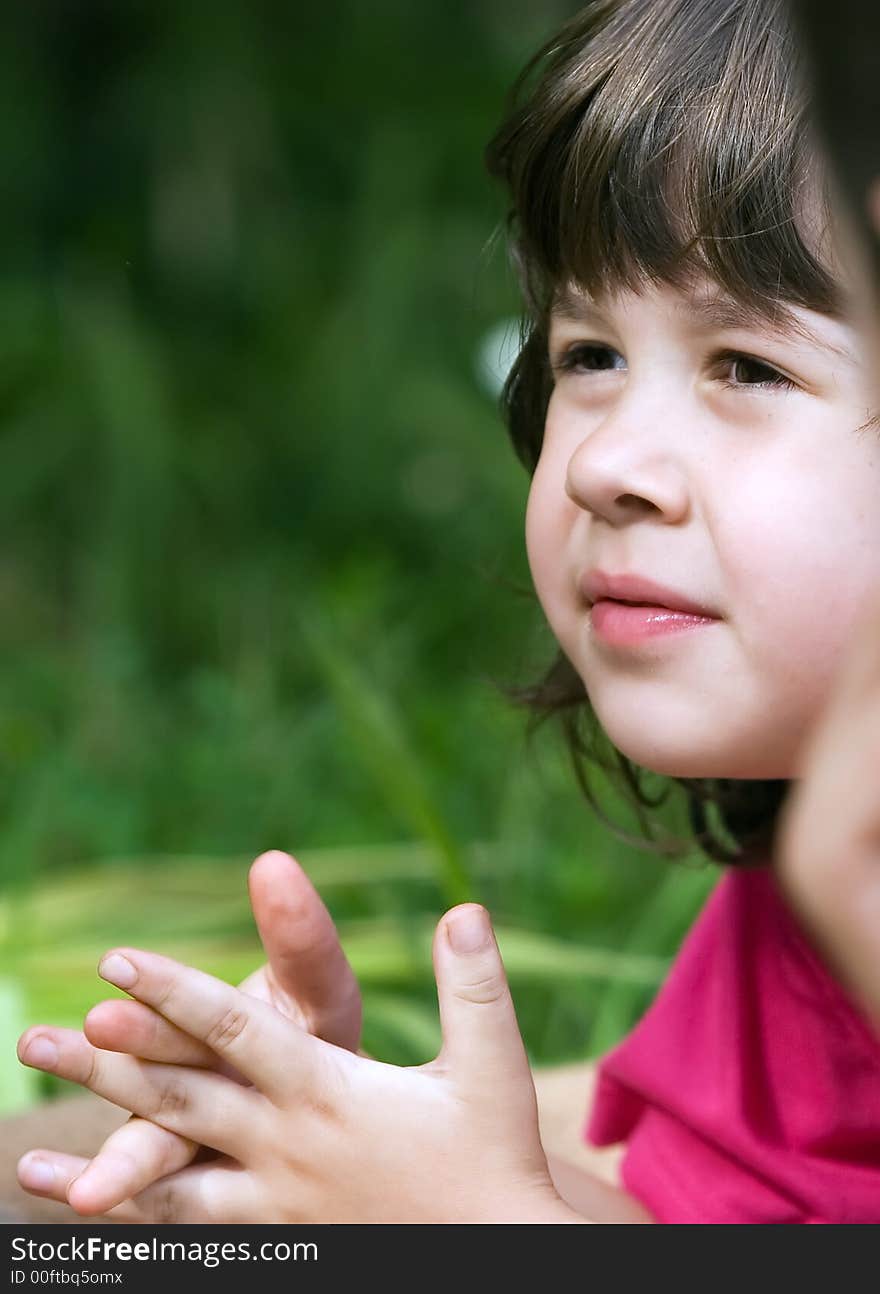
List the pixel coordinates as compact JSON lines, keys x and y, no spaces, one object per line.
{"x":385,"y":751}
{"x":18,"y":1085}
{"x":414,"y":1025}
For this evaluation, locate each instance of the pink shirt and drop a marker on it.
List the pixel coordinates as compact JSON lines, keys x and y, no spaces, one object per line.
{"x":750,"y":1091}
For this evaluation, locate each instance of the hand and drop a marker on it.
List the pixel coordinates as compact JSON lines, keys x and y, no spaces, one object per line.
{"x":828,"y":839}
{"x":307,"y":979}
{"x":324,"y":1135}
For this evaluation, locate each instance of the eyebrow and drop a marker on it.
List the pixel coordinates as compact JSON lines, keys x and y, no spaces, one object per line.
{"x":574,"y":307}
{"x":718,"y":312}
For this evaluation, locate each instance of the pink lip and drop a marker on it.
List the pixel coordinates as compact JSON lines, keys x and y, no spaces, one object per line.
{"x":595,"y":586}
{"x":622,"y":625}
{"x":661,"y":610}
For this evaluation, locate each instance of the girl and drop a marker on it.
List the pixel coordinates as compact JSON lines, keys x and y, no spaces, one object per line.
{"x":701,"y":529}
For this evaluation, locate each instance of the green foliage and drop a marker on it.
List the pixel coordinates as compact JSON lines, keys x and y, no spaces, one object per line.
{"x":262,"y":558}
{"x":197,"y":911}
{"x":18,"y":1086}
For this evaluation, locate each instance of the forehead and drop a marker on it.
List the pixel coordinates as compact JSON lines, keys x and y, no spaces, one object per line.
{"x":704,"y":305}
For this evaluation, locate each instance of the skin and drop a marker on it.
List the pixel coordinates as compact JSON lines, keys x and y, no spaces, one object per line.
{"x":828,"y":843}
{"x":313,"y":1128}
{"x":645,"y":432}
{"x":828,"y":839}
{"x":309,"y":982}
{"x":757,"y":500}
{"x":827,"y":856}
{"x":784,"y":685}
{"x":306,"y":978}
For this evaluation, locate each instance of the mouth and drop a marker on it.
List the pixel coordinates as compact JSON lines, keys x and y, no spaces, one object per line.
{"x":627,"y":602}
{"x":628,"y":590}
{"x":620,"y":623}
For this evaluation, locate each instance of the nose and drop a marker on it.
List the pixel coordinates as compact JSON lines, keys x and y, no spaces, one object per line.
{"x":627,"y":469}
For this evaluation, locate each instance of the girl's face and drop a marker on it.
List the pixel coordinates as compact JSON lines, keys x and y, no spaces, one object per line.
{"x":734,"y":464}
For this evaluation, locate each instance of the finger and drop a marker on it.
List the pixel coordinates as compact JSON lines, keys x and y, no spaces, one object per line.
{"x":859,"y":672}
{"x":132,"y":1158}
{"x":202,"y":1193}
{"x":218,"y":1192}
{"x":131,"y":1027}
{"x":48,"y":1173}
{"x":306,"y":961}
{"x":481,"y":1039}
{"x":204,"y":1107}
{"x":827,"y":841}
{"x":832,"y":881}
{"x":853,"y":695}
{"x":271,"y":1052}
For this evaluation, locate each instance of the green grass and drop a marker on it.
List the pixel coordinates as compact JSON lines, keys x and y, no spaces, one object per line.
{"x":586,"y":925}
{"x":261,"y":531}
{"x":196,"y":910}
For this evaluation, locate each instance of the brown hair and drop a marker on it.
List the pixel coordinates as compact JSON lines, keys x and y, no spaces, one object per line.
{"x":656,"y":141}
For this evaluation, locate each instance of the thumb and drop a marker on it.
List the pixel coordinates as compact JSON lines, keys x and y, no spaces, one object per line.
{"x":307,"y":966}
{"x":482,"y":1044}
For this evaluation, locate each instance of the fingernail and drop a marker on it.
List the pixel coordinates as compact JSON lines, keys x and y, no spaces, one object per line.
{"x":118,"y":970}
{"x":36,"y":1174}
{"x":41,"y":1054}
{"x":468,"y":930}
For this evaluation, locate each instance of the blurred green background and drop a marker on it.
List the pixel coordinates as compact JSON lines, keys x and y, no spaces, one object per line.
{"x":262,"y":565}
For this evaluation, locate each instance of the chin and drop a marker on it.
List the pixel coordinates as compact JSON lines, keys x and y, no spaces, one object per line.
{"x":705,"y":762}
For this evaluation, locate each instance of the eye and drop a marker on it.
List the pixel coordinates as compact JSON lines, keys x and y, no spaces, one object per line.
{"x":587,"y":357}
{"x":745,"y":372}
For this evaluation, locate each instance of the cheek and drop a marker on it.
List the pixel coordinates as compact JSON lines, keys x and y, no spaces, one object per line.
{"x":800,"y":561}
{"x":536,"y":524}
{"x":548,"y":520}
{"x":550,"y":513}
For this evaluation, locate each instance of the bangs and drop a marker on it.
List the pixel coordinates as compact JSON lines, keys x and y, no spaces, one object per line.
{"x":664,"y":143}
